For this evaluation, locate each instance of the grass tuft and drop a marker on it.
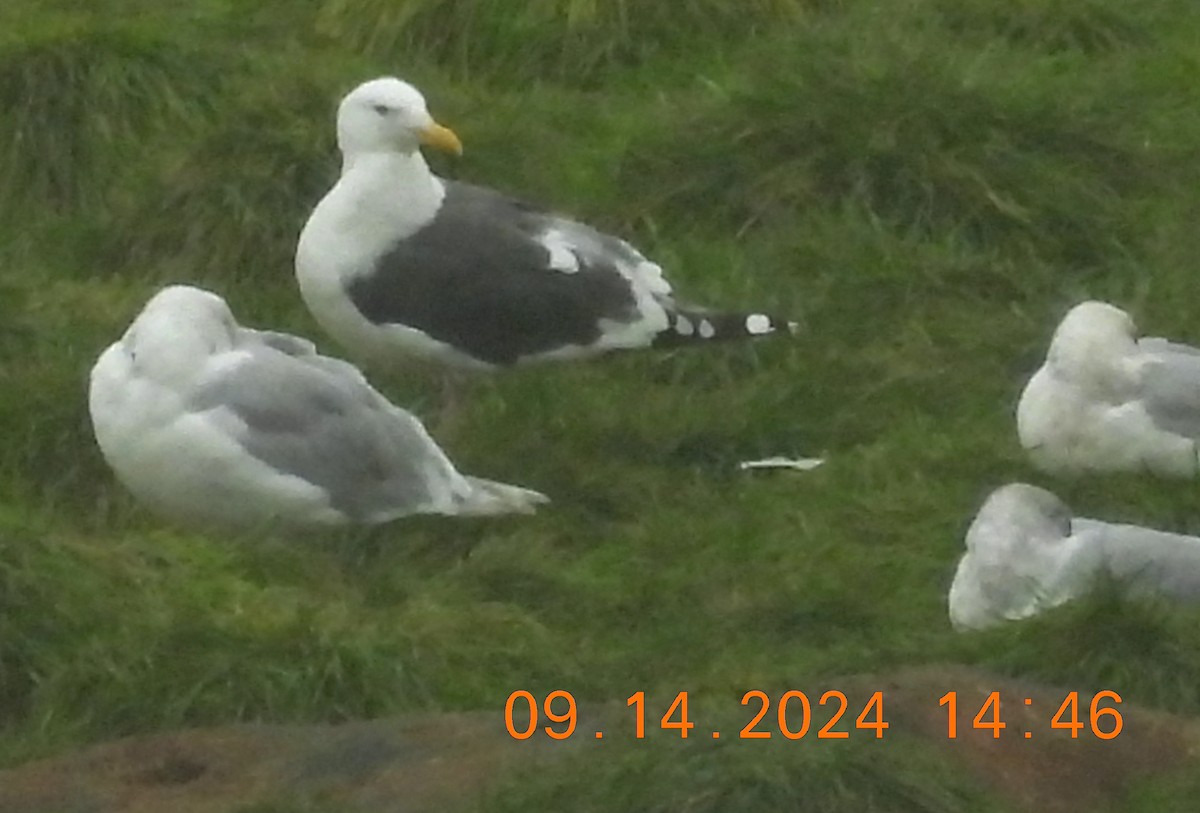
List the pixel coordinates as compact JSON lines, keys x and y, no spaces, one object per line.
{"x":1008,"y":149}
{"x":572,"y":42}
{"x":79,"y":100}
{"x":1088,"y":26}
{"x":204,"y":216}
{"x":699,"y":777}
{"x":1138,"y":648}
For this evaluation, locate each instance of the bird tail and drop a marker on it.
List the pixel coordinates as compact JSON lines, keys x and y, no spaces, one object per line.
{"x":697,"y":325}
{"x":488,"y":498}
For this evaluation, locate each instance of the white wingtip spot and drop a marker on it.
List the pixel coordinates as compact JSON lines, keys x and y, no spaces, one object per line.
{"x":562,"y":256}
{"x":758,"y":324}
{"x":684,"y":326}
{"x":707,"y":331}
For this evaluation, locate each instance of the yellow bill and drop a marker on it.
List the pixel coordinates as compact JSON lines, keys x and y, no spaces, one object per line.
{"x":442,"y":138}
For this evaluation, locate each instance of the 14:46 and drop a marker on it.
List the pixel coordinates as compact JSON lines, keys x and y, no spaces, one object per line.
{"x":989,"y":715}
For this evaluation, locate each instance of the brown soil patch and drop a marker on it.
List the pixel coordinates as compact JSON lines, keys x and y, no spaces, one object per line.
{"x":1048,"y":771}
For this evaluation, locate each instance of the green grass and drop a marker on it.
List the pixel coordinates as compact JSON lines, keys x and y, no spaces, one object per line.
{"x":926,"y":188}
{"x":822,"y":778}
{"x":571,"y":42}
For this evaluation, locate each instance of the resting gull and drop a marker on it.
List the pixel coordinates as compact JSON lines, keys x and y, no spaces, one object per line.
{"x":1026,"y":553}
{"x":213,"y":423}
{"x":395,"y":260}
{"x":1107,"y":401}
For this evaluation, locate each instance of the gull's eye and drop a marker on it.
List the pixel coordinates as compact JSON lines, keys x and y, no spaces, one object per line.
{"x":381,"y":109}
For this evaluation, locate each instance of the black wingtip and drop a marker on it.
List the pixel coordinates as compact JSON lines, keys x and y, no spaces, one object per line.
{"x":698,"y":327}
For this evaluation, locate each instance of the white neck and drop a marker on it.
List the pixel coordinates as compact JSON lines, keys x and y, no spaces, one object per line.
{"x":387,"y":193}
{"x":406,"y":168}
{"x":381,"y":197}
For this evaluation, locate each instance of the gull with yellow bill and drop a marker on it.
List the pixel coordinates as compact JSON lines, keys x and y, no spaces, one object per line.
{"x":395,"y":261}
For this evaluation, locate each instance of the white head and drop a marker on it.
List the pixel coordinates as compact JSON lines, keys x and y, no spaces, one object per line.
{"x":177,"y":331}
{"x":1092,"y":341}
{"x":1023,"y":556}
{"x":1024,"y":516}
{"x":389,"y":115}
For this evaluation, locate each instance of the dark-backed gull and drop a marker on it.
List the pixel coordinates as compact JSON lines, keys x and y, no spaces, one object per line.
{"x":397,"y":260}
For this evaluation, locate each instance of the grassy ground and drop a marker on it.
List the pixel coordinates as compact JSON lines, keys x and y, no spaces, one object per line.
{"x":926,"y":187}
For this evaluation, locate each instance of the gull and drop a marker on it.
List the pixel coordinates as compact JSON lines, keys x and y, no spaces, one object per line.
{"x":212,"y":423}
{"x":1105,"y":400}
{"x":397,"y":262}
{"x":1027,"y":552}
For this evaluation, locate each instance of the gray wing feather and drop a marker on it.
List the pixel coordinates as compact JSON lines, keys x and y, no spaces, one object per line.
{"x":1154,"y":561}
{"x":1155,"y":344}
{"x":1170,"y":391}
{"x":283,"y":342}
{"x":316,"y":418}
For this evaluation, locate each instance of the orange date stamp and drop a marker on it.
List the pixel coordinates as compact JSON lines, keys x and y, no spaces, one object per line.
{"x":793,"y":716}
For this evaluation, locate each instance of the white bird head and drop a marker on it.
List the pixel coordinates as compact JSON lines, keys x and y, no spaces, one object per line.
{"x":389,"y":115}
{"x":1024,"y":555}
{"x":178,"y":330}
{"x":1092,"y":341}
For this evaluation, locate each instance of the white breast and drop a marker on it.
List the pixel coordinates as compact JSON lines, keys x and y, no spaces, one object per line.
{"x":380,"y":200}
